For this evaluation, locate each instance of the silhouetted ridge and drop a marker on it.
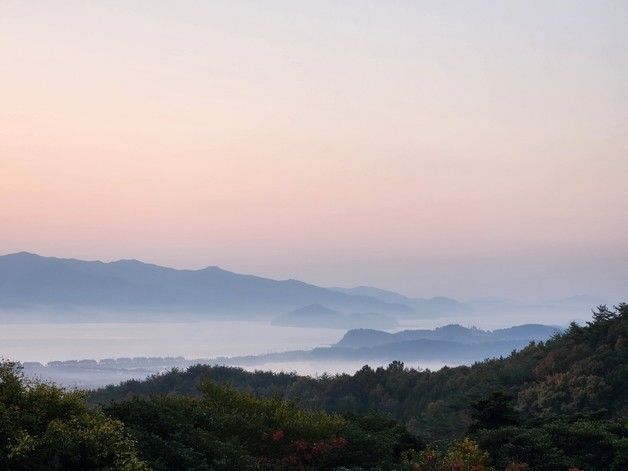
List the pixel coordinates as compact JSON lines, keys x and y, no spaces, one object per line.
{"x":29,"y":280}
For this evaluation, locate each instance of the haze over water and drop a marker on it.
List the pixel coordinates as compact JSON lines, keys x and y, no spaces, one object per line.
{"x":44,"y":342}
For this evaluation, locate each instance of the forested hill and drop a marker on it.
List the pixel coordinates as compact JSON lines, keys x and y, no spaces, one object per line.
{"x":581,"y":372}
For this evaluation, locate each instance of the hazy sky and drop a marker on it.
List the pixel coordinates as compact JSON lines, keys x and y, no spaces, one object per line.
{"x":456,"y":148}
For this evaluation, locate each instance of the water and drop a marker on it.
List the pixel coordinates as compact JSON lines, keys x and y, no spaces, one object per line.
{"x":45,"y":342}
{"x":203,"y":340}
{"x":71,"y":341}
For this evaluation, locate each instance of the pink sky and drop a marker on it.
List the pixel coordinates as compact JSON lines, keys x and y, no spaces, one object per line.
{"x":457,"y":148}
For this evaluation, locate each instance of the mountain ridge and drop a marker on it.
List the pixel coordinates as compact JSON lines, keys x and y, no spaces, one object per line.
{"x":361,"y":338}
{"x":30,"y":280}
{"x":437,"y":305}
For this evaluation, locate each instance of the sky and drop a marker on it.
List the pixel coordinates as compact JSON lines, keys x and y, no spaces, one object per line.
{"x":469,"y":149}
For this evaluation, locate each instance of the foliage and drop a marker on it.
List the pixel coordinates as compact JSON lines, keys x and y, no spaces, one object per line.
{"x":497,"y":410}
{"x":462,"y":455}
{"x":260,"y":383}
{"x":227,"y":429}
{"x":559,"y":444}
{"x":43,"y":427}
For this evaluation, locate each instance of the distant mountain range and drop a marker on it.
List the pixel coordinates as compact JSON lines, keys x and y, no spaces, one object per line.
{"x":360,"y":338}
{"x":32,"y":285}
{"x":316,"y":315}
{"x":33,"y":281}
{"x":450,"y":344}
{"x":424,"y":306}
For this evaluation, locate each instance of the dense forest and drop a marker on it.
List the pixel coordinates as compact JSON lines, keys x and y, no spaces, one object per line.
{"x":556,"y":405}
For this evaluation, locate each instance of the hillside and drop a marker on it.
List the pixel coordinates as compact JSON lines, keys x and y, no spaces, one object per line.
{"x":32,"y":281}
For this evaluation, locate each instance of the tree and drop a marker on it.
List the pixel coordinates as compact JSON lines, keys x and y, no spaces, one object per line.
{"x":497,"y":410}
{"x":43,"y":427}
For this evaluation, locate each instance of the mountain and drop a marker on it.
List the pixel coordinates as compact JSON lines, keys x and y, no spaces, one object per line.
{"x":451,"y":344}
{"x":316,"y":315}
{"x":33,"y":281}
{"x":424,"y":306}
{"x":359,"y":338}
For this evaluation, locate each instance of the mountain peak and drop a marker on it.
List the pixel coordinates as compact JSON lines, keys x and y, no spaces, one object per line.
{"x":213,"y":268}
{"x":22,"y":254}
{"x":128,"y":261}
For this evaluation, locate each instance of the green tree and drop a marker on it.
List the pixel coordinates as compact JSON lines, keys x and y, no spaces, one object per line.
{"x":43,"y":427}
{"x":497,"y":410}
